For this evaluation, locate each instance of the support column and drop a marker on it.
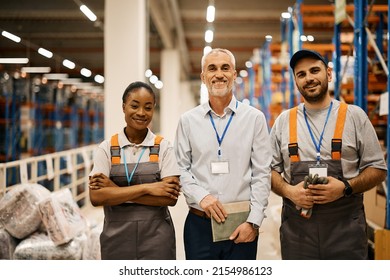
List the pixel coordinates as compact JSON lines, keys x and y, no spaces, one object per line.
{"x":170,"y":93}
{"x":126,"y":36}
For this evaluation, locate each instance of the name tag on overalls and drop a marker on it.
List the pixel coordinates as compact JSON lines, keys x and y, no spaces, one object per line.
{"x":220,"y":167}
{"x":320,"y":168}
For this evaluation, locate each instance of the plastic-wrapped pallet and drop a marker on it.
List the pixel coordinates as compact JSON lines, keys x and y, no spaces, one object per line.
{"x":62,"y":217}
{"x":39,"y":246}
{"x":91,"y":250}
{"x":7,"y":245}
{"x":19,"y":211}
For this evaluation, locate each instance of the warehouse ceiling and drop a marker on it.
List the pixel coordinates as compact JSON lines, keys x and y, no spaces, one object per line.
{"x":60,"y":27}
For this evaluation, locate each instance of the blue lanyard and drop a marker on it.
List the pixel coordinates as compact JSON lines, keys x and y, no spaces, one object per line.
{"x":129,"y":178}
{"x":220,"y":139}
{"x":318,"y":147}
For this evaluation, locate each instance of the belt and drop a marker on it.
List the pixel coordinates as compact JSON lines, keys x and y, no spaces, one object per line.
{"x":199,"y":213}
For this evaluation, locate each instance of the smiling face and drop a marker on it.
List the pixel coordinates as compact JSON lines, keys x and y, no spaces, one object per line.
{"x":312,"y":78}
{"x":218,"y":74}
{"x":139,"y":109}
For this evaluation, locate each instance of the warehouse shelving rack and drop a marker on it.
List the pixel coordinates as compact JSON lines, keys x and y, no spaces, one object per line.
{"x":39,"y":118}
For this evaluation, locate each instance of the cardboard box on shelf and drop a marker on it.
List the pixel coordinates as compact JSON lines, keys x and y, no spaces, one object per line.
{"x":375,"y":206}
{"x":382,"y":244}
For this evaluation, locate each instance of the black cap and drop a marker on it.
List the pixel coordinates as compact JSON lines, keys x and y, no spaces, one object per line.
{"x":302,"y":54}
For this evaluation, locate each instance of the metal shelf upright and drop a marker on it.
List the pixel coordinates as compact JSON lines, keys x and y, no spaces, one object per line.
{"x":388,"y":132}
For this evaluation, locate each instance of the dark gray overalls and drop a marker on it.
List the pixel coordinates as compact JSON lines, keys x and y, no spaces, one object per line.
{"x":335,"y":230}
{"x":133,"y":231}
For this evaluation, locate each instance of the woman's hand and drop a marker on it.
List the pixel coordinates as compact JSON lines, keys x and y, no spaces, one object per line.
{"x":168,"y":187}
{"x":99,"y":180}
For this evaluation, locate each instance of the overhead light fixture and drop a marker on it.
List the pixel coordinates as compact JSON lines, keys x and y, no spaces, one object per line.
{"x":88,"y":13}
{"x":13,"y":60}
{"x":69,"y":64}
{"x":206,"y":49}
{"x":99,"y":79}
{"x":209,"y":36}
{"x":268,"y":38}
{"x":244,"y":73}
{"x":210,"y":14}
{"x":45,"y":52}
{"x":35,"y":69}
{"x":85,"y":72}
{"x":56,"y":76}
{"x":248,"y":64}
{"x":148,"y":73}
{"x":11,"y":36}
{"x":82,"y":85}
{"x":286,"y":15}
{"x":71,"y":81}
{"x":159,"y":84}
{"x":153,"y":79}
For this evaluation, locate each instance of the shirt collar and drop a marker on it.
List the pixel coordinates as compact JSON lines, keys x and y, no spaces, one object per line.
{"x":148,"y":141}
{"x":231,"y":107}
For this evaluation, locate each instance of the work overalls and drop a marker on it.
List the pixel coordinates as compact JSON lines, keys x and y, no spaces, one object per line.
{"x":335,"y":230}
{"x":133,"y":231}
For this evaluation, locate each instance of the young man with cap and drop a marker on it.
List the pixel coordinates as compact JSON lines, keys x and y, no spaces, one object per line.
{"x":336,"y":141}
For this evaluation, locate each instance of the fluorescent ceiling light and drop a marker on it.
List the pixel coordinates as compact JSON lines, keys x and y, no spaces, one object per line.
{"x":88,"y":13}
{"x":209,"y":36}
{"x":11,"y":36}
{"x":159,"y":84}
{"x":244,"y":73}
{"x":206,"y":50}
{"x":210,"y":15}
{"x":69,"y":64}
{"x":148,"y":73}
{"x":153,"y":79}
{"x":71,"y":81}
{"x":82,"y":85}
{"x":86,"y":72}
{"x":45,"y":52}
{"x":56,"y":76}
{"x":13,"y":60}
{"x":310,"y":38}
{"x":99,"y":79}
{"x":36,"y":69}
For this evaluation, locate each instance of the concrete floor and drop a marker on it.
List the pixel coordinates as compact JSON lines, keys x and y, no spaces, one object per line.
{"x":269,"y":246}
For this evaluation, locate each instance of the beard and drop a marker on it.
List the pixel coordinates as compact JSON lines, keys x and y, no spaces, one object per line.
{"x":218,"y":92}
{"x":314,"y":97}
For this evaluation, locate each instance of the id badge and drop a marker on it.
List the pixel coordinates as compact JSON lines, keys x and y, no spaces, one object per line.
{"x":220,"y":167}
{"x":320,"y":168}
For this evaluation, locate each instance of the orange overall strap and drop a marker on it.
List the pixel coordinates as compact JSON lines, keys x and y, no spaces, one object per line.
{"x":115,"y":150}
{"x":155,"y":150}
{"x":293,"y":145}
{"x":338,"y":132}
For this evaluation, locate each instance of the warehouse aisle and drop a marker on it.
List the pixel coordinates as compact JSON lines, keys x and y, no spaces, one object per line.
{"x":269,"y":246}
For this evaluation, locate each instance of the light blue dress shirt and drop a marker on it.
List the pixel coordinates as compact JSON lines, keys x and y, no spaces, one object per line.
{"x":246,"y":146}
